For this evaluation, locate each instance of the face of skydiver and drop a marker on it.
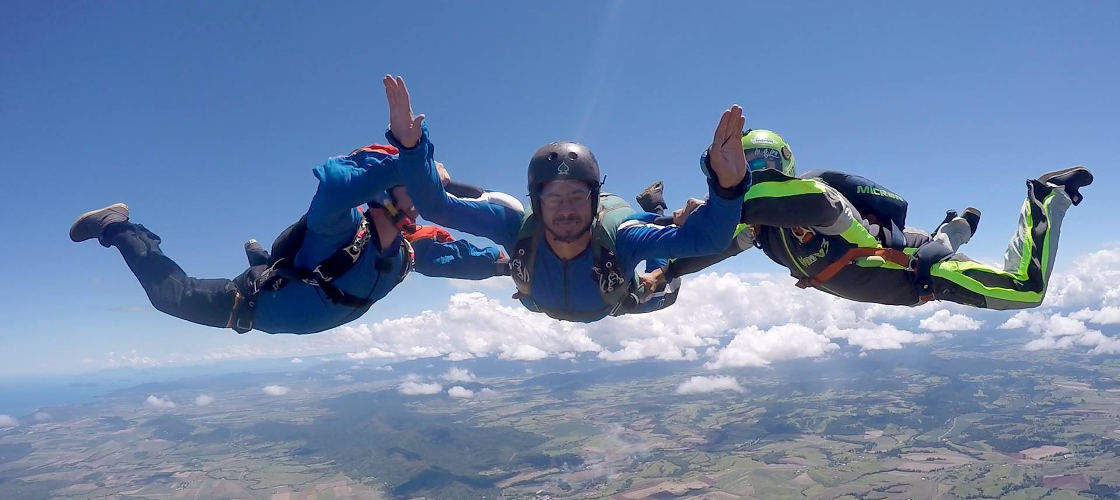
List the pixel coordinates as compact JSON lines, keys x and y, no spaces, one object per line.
{"x":404,"y":202}
{"x":566,"y":209}
{"x":763,"y":158}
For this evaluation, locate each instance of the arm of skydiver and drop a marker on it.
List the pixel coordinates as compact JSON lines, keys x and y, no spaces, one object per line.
{"x":712,"y":225}
{"x":680,"y":267}
{"x":457,"y":188}
{"x":410,"y":134}
{"x":470,"y":192}
{"x":489,"y":220}
{"x":456,"y":259}
{"x":708,"y":230}
{"x":776,"y":199}
{"x":346,"y":182}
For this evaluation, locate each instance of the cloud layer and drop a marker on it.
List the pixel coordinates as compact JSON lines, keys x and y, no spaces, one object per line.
{"x":725,"y":320}
{"x":738,"y":320}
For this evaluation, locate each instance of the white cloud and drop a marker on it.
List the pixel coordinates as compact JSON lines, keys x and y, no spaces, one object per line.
{"x":276,"y":390}
{"x":487,"y":393}
{"x":944,"y":321}
{"x":523,"y":352}
{"x":8,"y":421}
{"x":41,"y":416}
{"x":344,"y":378}
{"x":696,"y":385}
{"x":1109,"y":315}
{"x":413,"y":388}
{"x":384,"y":368}
{"x":460,"y":392}
{"x":159,"y":403}
{"x":203,"y":400}
{"x":1087,"y":280}
{"x":455,"y":374}
{"x":372,"y":352}
{"x":131,"y":359}
{"x":753,"y":347}
{"x":296,"y":361}
{"x":472,"y":325}
{"x":1057,"y":331}
{"x":877,"y":336}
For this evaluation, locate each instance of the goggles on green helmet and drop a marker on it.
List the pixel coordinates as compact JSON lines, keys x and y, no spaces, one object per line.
{"x":762,"y":158}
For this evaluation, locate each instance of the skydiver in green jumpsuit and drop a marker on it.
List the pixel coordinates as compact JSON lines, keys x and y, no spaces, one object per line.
{"x":846,"y":236}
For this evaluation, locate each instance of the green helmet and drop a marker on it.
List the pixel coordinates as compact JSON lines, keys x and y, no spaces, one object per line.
{"x":773,"y":149}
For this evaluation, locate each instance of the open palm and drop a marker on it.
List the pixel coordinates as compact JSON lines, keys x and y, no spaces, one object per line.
{"x":402,"y":124}
{"x":726,"y":152}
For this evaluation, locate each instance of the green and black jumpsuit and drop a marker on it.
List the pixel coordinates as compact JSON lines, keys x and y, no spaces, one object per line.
{"x":807,"y":225}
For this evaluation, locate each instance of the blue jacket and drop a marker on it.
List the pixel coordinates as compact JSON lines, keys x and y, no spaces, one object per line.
{"x":346,"y":182}
{"x":559,"y":284}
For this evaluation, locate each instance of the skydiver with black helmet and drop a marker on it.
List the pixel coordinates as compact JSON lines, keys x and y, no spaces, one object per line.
{"x":573,"y":253}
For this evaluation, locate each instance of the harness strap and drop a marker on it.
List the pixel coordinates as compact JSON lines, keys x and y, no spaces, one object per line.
{"x":889,"y":254}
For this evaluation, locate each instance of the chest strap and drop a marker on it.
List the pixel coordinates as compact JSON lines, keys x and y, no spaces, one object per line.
{"x":889,"y":254}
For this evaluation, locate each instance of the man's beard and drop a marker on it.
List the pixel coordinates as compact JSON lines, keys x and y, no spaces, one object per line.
{"x":570,"y":235}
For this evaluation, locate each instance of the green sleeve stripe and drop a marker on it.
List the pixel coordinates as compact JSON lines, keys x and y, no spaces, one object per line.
{"x":877,"y":262}
{"x":792,"y":187}
{"x":1028,"y":241}
{"x":738,"y":229}
{"x":880,"y":262}
{"x":1029,"y":246}
{"x":857,"y":235}
{"x":953,"y":270}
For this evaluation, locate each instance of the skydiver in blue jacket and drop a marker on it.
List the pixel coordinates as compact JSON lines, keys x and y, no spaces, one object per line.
{"x":324,"y":271}
{"x":573,"y":255}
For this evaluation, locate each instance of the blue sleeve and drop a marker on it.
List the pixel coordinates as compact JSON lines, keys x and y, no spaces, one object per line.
{"x":708,"y":230}
{"x":455,"y":259}
{"x":417,"y":170}
{"x":652,"y":264}
{"x":346,"y":182}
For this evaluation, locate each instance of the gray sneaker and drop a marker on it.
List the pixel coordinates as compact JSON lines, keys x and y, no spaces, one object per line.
{"x":91,"y":224}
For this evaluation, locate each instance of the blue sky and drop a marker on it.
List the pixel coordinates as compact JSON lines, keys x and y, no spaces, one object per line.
{"x":207,"y":117}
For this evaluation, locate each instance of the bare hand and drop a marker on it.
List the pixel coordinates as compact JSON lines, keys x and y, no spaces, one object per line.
{"x":401,"y":122}
{"x":681,"y":214}
{"x":650,"y":282}
{"x":444,"y":177}
{"x":729,"y":165}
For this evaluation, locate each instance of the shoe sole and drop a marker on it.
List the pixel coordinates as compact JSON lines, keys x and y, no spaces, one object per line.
{"x":1046,"y":177}
{"x":76,"y":234}
{"x":972,"y":215}
{"x":1073,"y":190}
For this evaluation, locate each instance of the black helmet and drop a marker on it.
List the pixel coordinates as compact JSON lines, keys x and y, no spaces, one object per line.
{"x":563,"y":161}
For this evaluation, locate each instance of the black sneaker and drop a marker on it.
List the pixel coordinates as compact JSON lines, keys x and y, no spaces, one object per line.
{"x":256,"y":253}
{"x":652,"y":198}
{"x":972,"y":215}
{"x":1071,"y":179}
{"x":93,"y":223}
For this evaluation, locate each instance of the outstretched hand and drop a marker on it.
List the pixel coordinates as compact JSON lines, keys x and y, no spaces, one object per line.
{"x":725,"y":155}
{"x":402,"y":124}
